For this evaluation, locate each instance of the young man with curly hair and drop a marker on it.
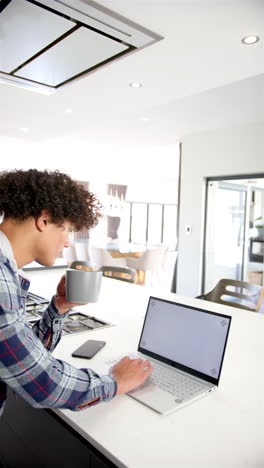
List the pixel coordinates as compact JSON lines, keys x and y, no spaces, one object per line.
{"x":39,"y":209}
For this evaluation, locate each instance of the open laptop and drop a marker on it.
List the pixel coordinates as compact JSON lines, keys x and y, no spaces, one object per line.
{"x":186,"y":346}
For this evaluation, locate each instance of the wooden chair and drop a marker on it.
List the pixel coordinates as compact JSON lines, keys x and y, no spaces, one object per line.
{"x":119,"y":273}
{"x":236,"y":293}
{"x":80,"y":265}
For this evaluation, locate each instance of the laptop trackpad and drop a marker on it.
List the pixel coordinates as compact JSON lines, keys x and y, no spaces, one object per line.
{"x":154,"y":397}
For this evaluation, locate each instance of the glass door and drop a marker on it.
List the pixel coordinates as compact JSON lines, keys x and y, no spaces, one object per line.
{"x":225,"y":232}
{"x":234,"y":230}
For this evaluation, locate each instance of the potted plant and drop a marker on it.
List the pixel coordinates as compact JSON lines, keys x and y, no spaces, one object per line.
{"x":259,"y":225}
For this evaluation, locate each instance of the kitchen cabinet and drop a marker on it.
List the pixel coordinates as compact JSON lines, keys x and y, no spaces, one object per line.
{"x":37,"y":437}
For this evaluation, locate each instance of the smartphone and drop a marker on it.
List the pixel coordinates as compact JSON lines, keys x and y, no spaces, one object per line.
{"x":89,"y":349}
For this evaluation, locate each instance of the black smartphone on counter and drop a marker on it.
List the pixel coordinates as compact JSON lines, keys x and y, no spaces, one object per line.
{"x":89,"y":349}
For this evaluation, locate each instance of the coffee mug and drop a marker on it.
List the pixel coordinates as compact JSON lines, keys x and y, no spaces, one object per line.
{"x":83,"y":286}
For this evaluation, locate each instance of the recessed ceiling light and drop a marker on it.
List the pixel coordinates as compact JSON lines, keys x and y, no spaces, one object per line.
{"x":144,"y":119}
{"x":68,"y":111}
{"x":250,"y":39}
{"x":135,"y":84}
{"x":23,"y":129}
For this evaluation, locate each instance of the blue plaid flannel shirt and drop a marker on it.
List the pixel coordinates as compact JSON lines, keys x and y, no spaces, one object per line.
{"x":26,"y":366}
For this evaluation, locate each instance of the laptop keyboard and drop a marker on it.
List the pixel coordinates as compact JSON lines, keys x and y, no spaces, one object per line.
{"x":175,"y":383}
{"x":172,"y":382}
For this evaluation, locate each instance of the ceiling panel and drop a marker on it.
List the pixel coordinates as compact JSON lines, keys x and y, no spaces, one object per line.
{"x":69,"y":57}
{"x":24,"y":30}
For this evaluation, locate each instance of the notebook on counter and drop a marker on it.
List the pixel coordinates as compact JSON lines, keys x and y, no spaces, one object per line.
{"x":186,"y":346}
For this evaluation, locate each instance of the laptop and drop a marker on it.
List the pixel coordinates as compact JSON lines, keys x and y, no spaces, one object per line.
{"x":186,"y":346}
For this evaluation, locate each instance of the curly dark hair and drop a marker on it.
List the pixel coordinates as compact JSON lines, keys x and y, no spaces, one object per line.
{"x":24,"y":194}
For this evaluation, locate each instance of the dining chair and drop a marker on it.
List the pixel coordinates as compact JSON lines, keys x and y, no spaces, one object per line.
{"x":119,"y":273}
{"x":79,"y":250}
{"x":152,"y":260}
{"x":97,"y":256}
{"x":236,"y":293}
{"x":101,"y":257}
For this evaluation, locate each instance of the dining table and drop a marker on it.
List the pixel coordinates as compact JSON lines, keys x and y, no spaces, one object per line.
{"x":124,"y":249}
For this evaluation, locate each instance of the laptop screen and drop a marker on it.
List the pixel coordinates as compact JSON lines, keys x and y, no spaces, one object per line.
{"x":185,"y":337}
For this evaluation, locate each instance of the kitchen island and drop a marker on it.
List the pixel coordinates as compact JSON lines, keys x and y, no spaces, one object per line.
{"x":223,"y":430}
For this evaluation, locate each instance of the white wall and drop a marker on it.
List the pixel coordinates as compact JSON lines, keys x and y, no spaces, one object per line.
{"x":238,"y":150}
{"x":151,"y":173}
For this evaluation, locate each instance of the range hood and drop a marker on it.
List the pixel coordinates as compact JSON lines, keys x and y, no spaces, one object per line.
{"x":47,"y":44}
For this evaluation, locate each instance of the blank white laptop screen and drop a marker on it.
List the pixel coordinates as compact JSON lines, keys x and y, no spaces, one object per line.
{"x":188,"y":336}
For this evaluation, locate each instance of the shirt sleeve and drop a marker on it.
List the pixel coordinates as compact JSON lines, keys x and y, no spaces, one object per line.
{"x":30,"y":369}
{"x":49,"y":327}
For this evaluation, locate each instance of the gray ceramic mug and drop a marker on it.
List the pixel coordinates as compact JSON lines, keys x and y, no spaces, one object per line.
{"x":83,"y":286}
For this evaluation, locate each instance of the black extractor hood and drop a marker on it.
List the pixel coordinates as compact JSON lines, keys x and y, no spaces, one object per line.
{"x":47,"y":44}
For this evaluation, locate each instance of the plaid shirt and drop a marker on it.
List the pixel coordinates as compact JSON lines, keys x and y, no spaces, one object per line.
{"x":26,"y":365}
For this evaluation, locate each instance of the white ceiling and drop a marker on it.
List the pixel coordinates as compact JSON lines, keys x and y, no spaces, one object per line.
{"x":199,"y":77}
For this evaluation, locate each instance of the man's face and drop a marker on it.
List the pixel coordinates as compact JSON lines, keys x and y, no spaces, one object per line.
{"x":54,"y":239}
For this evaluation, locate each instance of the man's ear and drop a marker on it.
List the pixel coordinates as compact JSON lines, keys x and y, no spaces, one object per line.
{"x":42,"y":221}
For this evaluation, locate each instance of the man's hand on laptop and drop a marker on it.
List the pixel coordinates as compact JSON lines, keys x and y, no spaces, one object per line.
{"x":130,"y":373}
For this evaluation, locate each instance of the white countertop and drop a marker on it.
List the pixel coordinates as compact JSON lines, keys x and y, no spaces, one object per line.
{"x":223,"y":430}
